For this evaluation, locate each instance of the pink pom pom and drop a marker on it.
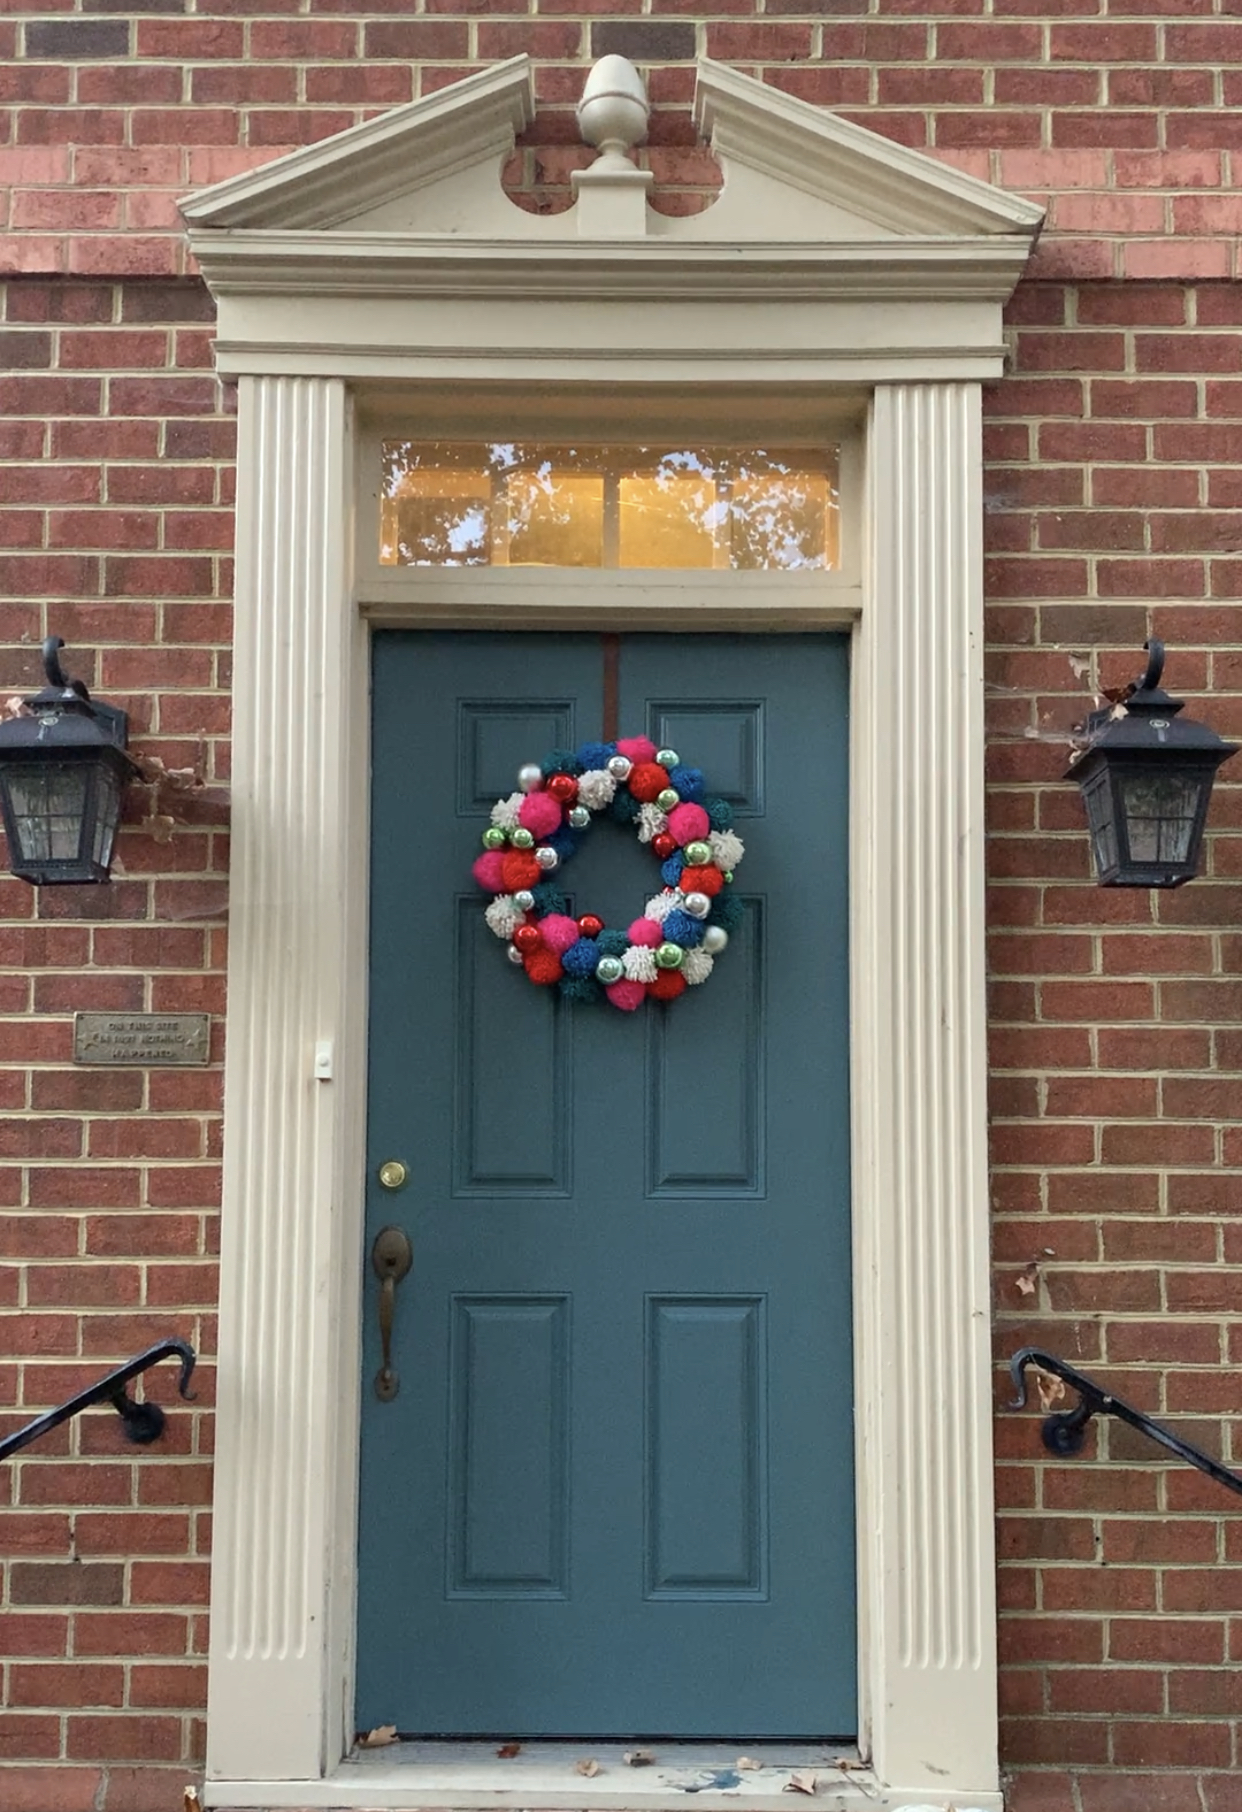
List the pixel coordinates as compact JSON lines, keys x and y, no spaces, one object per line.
{"x":559,"y":932}
{"x":488,"y":870}
{"x":627,"y":995}
{"x":638,"y":748}
{"x":646,"y":931}
{"x":540,"y":813}
{"x":688,"y":822}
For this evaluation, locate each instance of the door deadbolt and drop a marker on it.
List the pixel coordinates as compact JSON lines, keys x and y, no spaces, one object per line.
{"x":393,"y":1174}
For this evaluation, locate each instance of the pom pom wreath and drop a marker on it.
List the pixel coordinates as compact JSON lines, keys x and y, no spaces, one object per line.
{"x":688,"y":782}
{"x":489,"y":870}
{"x":727,"y":911}
{"x":612,"y":943}
{"x":518,"y":869}
{"x":696,"y":966}
{"x":596,"y":788}
{"x":727,"y":849}
{"x":596,"y":755}
{"x":646,"y":931}
{"x":651,"y":822}
{"x":626,"y":994}
{"x":540,"y":813}
{"x":707,"y":880}
{"x":581,"y":987}
{"x":580,"y":958}
{"x":679,"y":927}
{"x":637,"y":748}
{"x":720,"y":812}
{"x":560,"y":761}
{"x":647,"y":778}
{"x":505,"y":811}
{"x":640,"y":963}
{"x":668,"y":984}
{"x":549,"y":898}
{"x":671,"y":871}
{"x":685,"y":822}
{"x":624,"y":807}
{"x":559,"y":932}
{"x":503,"y":916}
{"x":543,"y":966}
{"x":659,"y":907}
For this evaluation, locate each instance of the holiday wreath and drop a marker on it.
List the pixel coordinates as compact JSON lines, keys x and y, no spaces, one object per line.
{"x":537,"y":829}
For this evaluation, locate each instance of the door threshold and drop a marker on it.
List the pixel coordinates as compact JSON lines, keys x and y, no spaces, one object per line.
{"x":545,"y":1777}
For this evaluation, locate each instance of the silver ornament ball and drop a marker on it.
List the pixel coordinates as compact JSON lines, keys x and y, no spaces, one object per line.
{"x":714,"y":939}
{"x":619,"y":767}
{"x":514,"y":955}
{"x":609,"y":969}
{"x":579,"y":817}
{"x":525,"y":900}
{"x":668,"y":758}
{"x":530,"y":777}
{"x":547,"y":858}
{"x":697,"y":905}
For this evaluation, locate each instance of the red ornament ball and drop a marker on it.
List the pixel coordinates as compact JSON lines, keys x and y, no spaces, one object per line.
{"x":664,"y":845}
{"x":543,"y":965}
{"x":701,"y":880}
{"x":668,"y":984}
{"x":647,"y":779}
{"x":589,"y":925}
{"x":520,"y":869}
{"x":527,"y":938}
{"x":563,"y":788}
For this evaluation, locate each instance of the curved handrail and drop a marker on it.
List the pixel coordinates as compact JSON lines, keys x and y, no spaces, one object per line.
{"x":144,"y":1422}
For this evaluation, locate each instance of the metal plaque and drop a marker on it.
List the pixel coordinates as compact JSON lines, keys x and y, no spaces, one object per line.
{"x":153,"y":1040}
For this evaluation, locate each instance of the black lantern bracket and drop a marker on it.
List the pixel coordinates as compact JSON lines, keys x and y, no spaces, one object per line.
{"x":61,"y":690}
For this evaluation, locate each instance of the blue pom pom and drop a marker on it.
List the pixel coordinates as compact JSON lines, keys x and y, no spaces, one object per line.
{"x":670,"y":871}
{"x":581,"y":958}
{"x":564,"y":841}
{"x":624,"y":807}
{"x":549,"y":898}
{"x":596,"y":755}
{"x":689,"y":783}
{"x":720,"y":812}
{"x":727,"y":910}
{"x":560,"y":761}
{"x":680,"y":928}
{"x":580,"y":987}
{"x":612,"y":943}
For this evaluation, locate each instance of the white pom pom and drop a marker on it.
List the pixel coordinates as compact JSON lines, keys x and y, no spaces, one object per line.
{"x":596,"y":788}
{"x":660,"y":905}
{"x":696,"y":966}
{"x":651,"y":822}
{"x":640,"y":963}
{"x":727,"y":849}
{"x":505,"y":811}
{"x":503,"y":916}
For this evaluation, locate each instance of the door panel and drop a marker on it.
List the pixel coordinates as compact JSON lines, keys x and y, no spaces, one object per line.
{"x":614,"y":1495}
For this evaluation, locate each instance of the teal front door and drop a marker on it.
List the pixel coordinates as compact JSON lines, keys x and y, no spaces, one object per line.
{"x":613,"y":1495}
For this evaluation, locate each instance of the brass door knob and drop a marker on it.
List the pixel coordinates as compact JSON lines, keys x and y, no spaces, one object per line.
{"x":393,"y":1174}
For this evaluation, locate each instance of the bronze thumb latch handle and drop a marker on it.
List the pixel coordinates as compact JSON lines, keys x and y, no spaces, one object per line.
{"x":391,"y":1257}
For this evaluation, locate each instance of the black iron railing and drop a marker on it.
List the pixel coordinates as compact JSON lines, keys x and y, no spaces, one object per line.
{"x":144,"y":1422}
{"x":1065,"y":1430}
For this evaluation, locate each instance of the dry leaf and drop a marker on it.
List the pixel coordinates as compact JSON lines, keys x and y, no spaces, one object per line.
{"x":638,"y":1758}
{"x":1024,"y":1284}
{"x":746,"y":1764}
{"x":588,"y":1766}
{"x":161,"y":826}
{"x":190,"y":1801}
{"x":507,"y":1751}
{"x":1051,"y":1391}
{"x":379,"y":1738}
{"x":804,"y":1781}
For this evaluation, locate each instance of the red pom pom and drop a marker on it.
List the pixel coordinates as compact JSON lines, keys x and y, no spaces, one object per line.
{"x":589,"y":925}
{"x":520,"y":869}
{"x":527,"y":938}
{"x":664,"y":845}
{"x":646,"y":780}
{"x":668,"y":984}
{"x":699,"y":880}
{"x":543,"y":966}
{"x":564,"y":788}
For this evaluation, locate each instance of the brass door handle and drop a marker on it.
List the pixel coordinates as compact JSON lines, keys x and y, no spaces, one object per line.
{"x":391,"y":1257}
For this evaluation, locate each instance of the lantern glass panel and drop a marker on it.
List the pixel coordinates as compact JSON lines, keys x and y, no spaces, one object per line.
{"x":107,"y":815}
{"x":48,"y":803}
{"x":1160,"y":812}
{"x":1098,"y":799}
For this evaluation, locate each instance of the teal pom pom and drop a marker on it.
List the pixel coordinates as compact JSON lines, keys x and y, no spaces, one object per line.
{"x":612,"y":943}
{"x":727,"y":910}
{"x":580,"y":987}
{"x":549,"y":898}
{"x":564,"y":841}
{"x":721,"y":813}
{"x":560,"y":761}
{"x":624,"y":807}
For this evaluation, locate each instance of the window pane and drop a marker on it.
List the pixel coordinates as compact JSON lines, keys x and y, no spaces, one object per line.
{"x":504,"y":503}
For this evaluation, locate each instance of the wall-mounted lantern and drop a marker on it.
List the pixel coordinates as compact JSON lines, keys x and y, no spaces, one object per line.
{"x":1146,"y":777}
{"x":63,"y":768}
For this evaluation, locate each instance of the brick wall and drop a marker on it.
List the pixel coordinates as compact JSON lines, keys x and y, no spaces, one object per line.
{"x":1115,"y":510}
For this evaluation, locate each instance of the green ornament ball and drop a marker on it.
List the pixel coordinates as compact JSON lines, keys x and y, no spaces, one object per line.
{"x":669,"y":956}
{"x":728,"y":875}
{"x":521,"y":838}
{"x":668,"y":798}
{"x":609,"y":969}
{"x":494,"y":837}
{"x":668,"y":758}
{"x":698,"y":854}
